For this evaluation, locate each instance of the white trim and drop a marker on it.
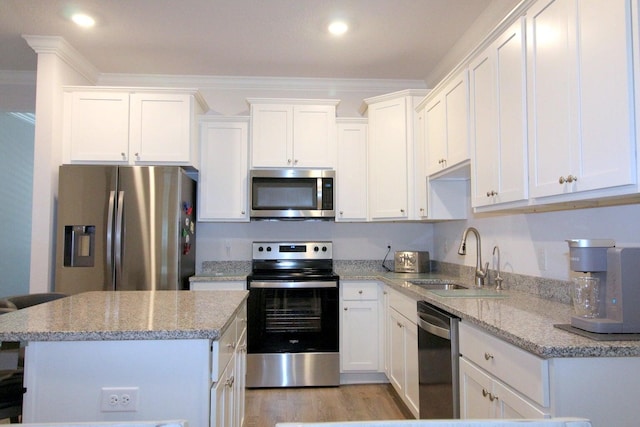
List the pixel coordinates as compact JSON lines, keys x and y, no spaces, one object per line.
{"x":60,"y":47}
{"x":259,"y":83}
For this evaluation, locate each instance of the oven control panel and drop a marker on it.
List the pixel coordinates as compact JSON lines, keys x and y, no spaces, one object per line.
{"x":292,"y":250}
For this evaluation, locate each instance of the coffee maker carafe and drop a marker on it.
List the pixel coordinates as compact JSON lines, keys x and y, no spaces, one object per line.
{"x":611,"y":280}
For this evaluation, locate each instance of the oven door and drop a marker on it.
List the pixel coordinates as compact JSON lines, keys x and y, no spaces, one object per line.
{"x":292,"y":316}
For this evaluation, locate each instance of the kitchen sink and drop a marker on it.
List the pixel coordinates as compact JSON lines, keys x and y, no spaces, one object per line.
{"x":447,"y":289}
{"x":431,"y":285}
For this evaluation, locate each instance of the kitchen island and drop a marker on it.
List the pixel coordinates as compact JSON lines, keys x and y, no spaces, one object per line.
{"x":129,"y":356}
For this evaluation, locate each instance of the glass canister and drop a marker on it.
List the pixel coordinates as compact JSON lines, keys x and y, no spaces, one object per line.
{"x":586,"y":296}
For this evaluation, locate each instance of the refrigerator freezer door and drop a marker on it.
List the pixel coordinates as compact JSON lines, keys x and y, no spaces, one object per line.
{"x":84,"y":215}
{"x":153,"y":228}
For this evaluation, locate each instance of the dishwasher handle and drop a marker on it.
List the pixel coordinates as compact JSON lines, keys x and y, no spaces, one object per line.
{"x":430,"y":324}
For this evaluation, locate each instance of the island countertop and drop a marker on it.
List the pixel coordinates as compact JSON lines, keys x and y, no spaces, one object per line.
{"x":125,"y":315}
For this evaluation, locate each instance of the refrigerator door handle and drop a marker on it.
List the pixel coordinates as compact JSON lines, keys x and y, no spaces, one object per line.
{"x":109,"y":283}
{"x":119,"y":231}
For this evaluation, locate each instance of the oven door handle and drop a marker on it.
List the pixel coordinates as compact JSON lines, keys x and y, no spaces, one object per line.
{"x":279,"y":284}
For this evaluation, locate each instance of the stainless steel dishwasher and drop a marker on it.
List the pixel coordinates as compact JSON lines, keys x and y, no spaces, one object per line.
{"x":438,"y":363}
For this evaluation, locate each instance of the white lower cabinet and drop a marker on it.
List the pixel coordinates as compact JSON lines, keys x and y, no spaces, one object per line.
{"x":483,"y":396}
{"x":499,"y":380}
{"x":361,"y":329}
{"x":228,"y":375}
{"x":402,"y":343}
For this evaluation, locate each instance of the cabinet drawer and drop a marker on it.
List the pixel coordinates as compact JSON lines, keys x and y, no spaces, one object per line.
{"x":523,"y":371}
{"x":222,"y":351}
{"x":359,"y":291}
{"x":236,"y":285}
{"x":404,"y":305}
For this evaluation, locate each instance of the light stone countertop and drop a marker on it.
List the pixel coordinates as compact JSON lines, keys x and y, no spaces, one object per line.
{"x":519,"y":318}
{"x":125,"y":315}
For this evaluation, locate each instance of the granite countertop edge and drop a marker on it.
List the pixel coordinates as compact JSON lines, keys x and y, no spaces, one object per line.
{"x":126,"y":316}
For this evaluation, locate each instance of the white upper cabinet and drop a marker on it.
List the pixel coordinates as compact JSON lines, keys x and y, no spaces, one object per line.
{"x":223,"y":186}
{"x":392,"y":144}
{"x":351,"y":173}
{"x":580,"y":73}
{"x":498,"y":121}
{"x":446,"y":125}
{"x":104,"y":125}
{"x":293,"y":133}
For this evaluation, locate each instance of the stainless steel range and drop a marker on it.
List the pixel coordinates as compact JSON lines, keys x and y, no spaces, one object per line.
{"x":293,"y":323}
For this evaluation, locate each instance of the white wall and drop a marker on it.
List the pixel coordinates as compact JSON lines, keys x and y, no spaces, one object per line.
{"x":350,"y":240}
{"x":525,"y":238}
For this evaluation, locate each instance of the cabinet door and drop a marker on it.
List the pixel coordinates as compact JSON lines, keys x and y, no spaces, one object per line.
{"x":360,"y":336}
{"x":552,"y":93}
{"x":97,"y":126}
{"x":160,"y":128}
{"x":498,"y":120}
{"x":223,"y":187}
{"x":511,"y":406}
{"x":240,"y":380}
{"x":396,"y":351}
{"x":435,"y":135}
{"x":412,"y":379}
{"x":314,"y":136}
{"x":388,"y":150}
{"x":475,"y":387}
{"x":605,"y":61}
{"x":352,"y":172}
{"x":484,"y":128}
{"x":457,"y":118}
{"x":271,"y":135}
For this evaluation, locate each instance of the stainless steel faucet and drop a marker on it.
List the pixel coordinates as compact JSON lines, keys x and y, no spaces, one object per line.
{"x":498,"y":278}
{"x":481,"y":273}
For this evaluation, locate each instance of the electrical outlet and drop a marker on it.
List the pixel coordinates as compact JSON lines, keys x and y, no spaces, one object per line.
{"x":119,"y":399}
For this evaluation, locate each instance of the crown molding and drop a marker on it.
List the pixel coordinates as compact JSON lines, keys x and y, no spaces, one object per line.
{"x":259,"y":83}
{"x":60,"y":47}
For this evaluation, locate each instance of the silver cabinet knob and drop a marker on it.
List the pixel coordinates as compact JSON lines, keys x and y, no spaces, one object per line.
{"x":288,"y":161}
{"x":569,"y":179}
{"x":488,"y":356}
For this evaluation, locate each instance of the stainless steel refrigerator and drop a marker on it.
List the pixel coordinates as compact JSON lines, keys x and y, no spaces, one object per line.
{"x":124,"y":228}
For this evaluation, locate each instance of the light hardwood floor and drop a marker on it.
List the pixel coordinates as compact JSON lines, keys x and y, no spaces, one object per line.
{"x":266,"y":407}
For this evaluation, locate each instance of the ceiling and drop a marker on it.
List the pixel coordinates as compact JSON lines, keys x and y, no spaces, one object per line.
{"x":388,"y":39}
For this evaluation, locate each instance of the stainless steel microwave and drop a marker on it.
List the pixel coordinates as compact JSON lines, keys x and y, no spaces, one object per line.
{"x":292,"y":193}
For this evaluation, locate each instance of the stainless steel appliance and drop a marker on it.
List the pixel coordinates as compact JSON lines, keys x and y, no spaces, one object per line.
{"x":293,"y":320}
{"x":292,"y":194}
{"x":411,"y":262}
{"x":438,"y":363}
{"x":124,"y":228}
{"x":618,"y":286}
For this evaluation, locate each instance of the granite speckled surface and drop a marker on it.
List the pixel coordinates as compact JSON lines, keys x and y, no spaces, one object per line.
{"x":125,"y":315}
{"x":525,"y":317}
{"x":519,"y":318}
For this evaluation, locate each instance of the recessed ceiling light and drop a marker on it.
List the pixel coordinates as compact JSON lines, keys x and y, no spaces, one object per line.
{"x":338,"y":28}
{"x":83,"y":20}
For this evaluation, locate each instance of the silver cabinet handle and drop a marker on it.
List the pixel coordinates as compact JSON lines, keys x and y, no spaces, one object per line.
{"x":492,"y":193}
{"x":488,"y":356}
{"x":124,"y":156}
{"x":289,"y":161}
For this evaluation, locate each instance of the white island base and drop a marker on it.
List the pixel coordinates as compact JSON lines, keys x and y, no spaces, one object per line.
{"x":69,"y":381}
